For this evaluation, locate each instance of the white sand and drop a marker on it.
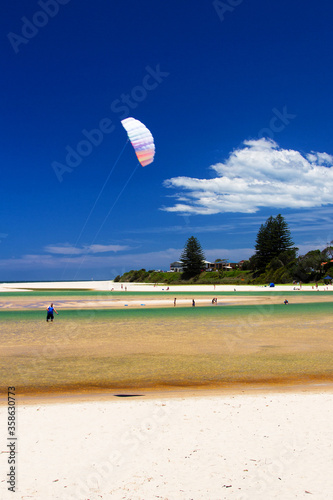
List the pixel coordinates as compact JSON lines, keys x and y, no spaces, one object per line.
{"x":265,"y":446}
{"x":149,"y":287}
{"x":77,"y":285}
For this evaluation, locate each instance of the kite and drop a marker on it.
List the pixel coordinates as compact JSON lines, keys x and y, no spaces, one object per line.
{"x":144,"y":147}
{"x":141,"y":140}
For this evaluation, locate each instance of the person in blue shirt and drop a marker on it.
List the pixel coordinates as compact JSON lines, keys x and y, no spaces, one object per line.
{"x":50,"y":313}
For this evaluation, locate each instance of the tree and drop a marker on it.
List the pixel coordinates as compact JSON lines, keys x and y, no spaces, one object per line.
{"x":281,"y":235}
{"x":192,"y":258}
{"x":273,"y":240}
{"x":328,"y":252}
{"x":309,"y":267}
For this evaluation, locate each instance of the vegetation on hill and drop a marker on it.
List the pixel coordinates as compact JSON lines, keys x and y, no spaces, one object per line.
{"x":275,"y":260}
{"x":235,"y":277}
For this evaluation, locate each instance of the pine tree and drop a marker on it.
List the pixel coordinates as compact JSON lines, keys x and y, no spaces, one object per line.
{"x":273,"y":239}
{"x":192,"y":258}
{"x":263,"y":245}
{"x":281,"y":235}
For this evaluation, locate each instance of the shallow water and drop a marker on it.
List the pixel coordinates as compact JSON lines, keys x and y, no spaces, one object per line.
{"x":220,"y":310}
{"x":166,"y":347}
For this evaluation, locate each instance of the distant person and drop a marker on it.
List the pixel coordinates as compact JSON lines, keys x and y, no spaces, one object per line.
{"x":174,"y":302}
{"x":50,"y":313}
{"x":193,"y":303}
{"x":286,"y":302}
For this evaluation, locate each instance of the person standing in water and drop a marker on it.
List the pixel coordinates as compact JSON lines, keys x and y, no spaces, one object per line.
{"x":50,"y":313}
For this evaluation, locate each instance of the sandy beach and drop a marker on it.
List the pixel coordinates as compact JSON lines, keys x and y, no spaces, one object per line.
{"x":173,"y":405}
{"x":253,"y":446}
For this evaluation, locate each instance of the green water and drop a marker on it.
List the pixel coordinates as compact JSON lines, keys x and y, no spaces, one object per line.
{"x":318,"y":308}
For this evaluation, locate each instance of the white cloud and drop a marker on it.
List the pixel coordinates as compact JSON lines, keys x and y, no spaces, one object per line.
{"x":260,"y":174}
{"x":106,"y":248}
{"x":320,"y":158}
{"x":66,"y":249}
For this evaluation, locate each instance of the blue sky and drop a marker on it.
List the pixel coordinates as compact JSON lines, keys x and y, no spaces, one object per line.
{"x":238,"y":97}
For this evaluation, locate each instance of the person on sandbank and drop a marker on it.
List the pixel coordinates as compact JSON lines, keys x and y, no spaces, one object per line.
{"x":50,"y":313}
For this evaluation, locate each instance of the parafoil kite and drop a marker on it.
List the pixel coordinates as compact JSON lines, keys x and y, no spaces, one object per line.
{"x":141,"y":140}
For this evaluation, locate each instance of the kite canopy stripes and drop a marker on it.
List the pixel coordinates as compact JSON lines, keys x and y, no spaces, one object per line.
{"x":141,"y":140}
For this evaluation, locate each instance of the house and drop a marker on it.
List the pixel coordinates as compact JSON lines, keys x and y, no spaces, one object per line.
{"x":217,"y":266}
{"x":176,"y":267}
{"x":209,"y":266}
{"x":223,"y":264}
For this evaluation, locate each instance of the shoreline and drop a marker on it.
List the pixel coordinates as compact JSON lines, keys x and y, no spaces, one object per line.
{"x":291,"y":386}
